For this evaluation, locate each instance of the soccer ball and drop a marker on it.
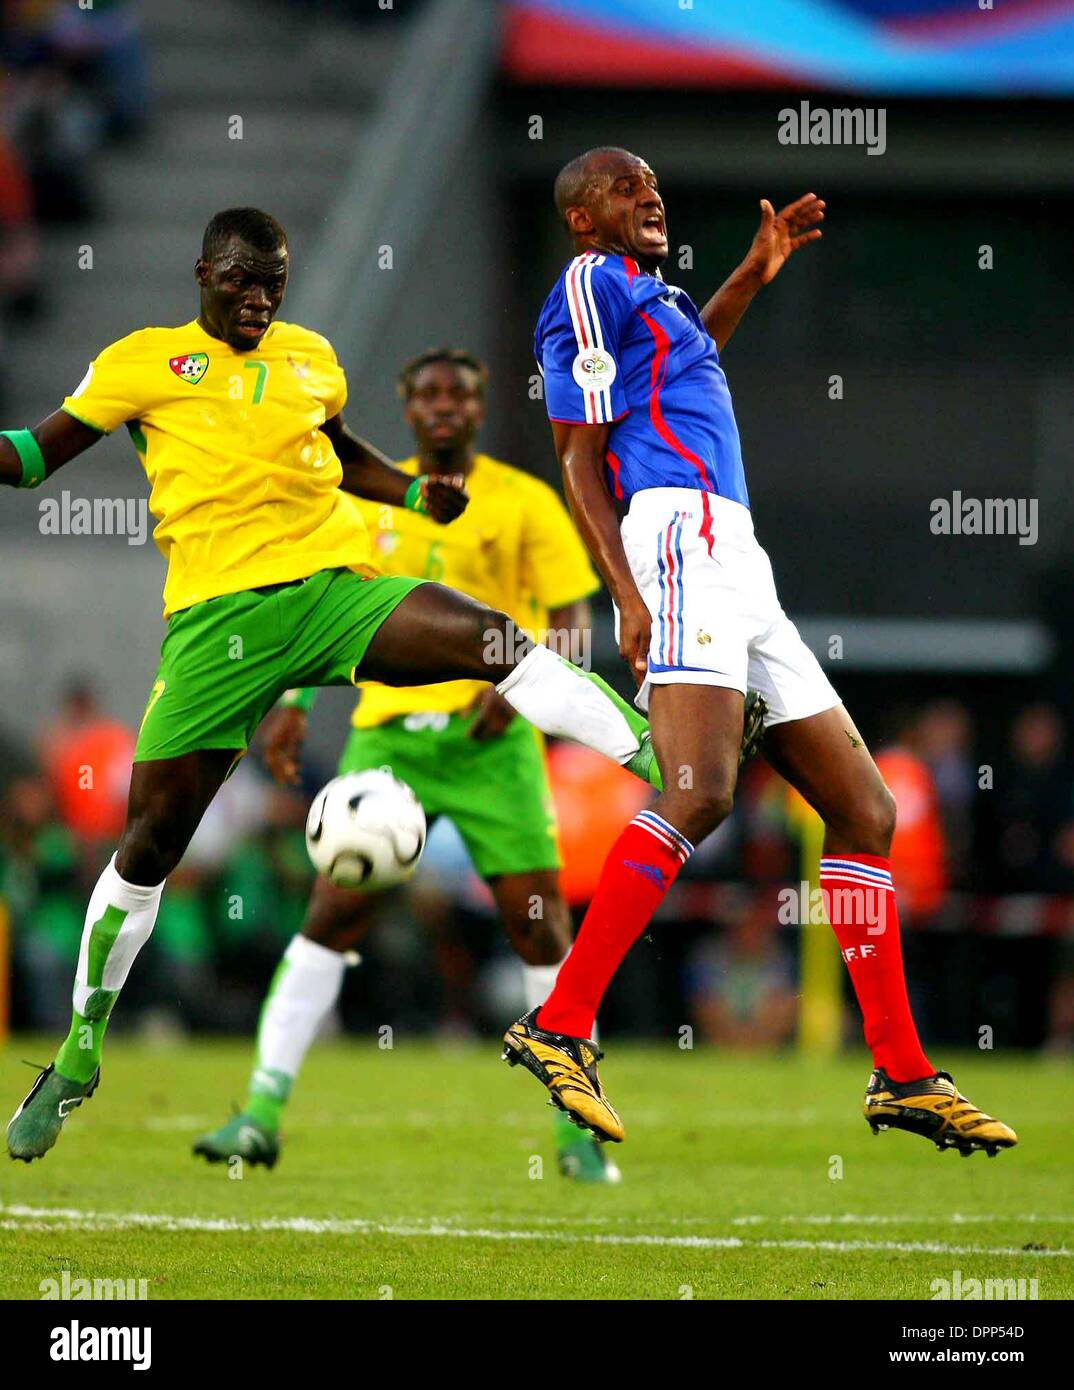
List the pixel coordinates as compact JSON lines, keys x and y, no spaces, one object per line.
{"x":365,"y":830}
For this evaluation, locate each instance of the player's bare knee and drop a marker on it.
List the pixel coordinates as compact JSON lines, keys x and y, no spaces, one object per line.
{"x":334,"y":938}
{"x":883,"y":817}
{"x":538,"y":943}
{"x":871,"y":825}
{"x":148,"y":851}
{"x":543,"y":939}
{"x":697,"y":812}
{"x":336,"y":918}
{"x":501,"y":644}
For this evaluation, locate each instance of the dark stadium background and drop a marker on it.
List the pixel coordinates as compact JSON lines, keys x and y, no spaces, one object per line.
{"x":404,"y":127}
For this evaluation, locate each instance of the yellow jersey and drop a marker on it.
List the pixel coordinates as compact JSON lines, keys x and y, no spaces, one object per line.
{"x":514,"y":548}
{"x":244,"y":484}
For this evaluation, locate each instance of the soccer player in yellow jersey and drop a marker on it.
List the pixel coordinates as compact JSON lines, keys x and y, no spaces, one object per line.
{"x":459,"y":744}
{"x":272,"y":584}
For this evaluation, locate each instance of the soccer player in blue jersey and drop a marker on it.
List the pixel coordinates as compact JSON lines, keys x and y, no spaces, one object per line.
{"x":652,"y":467}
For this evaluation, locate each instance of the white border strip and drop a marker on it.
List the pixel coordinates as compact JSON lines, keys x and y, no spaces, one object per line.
{"x":933,"y":1219}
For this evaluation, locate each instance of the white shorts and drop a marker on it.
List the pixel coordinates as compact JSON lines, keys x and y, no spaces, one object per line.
{"x":716,"y":617}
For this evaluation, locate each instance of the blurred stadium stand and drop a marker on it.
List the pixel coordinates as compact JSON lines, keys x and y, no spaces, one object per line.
{"x":436,"y":129}
{"x":942,"y":47}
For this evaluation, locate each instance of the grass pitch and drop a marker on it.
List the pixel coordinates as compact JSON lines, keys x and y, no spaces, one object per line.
{"x":428,"y":1172}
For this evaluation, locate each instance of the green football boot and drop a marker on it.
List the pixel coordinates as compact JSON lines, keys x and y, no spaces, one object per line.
{"x":644,"y":765}
{"x":36,"y":1124}
{"x":242,"y":1137}
{"x":580,"y":1157}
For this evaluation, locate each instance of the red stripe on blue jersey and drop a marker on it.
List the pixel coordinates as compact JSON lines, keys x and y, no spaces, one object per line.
{"x":706,"y":523}
{"x":620,"y":347}
{"x":659,"y":371}
{"x":613,"y":469}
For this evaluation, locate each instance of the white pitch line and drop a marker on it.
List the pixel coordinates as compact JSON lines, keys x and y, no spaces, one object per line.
{"x":848,"y":1219}
{"x":23,"y":1218}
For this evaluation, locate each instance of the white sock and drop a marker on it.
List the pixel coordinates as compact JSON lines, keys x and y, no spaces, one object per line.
{"x":119,"y":921}
{"x":566,"y":702}
{"x":537,"y":982}
{"x":305,"y":989}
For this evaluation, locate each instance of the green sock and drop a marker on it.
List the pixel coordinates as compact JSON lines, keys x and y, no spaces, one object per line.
{"x":643,"y":764}
{"x":268,"y":1093}
{"x":80,"y":1052}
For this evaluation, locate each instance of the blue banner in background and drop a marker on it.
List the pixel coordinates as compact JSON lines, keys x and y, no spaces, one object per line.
{"x":943,"y":47}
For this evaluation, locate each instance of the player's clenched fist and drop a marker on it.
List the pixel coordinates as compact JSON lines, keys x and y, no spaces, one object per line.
{"x":445,"y":496}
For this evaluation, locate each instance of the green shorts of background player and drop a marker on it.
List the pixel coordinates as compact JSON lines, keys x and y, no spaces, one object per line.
{"x":484,"y":769}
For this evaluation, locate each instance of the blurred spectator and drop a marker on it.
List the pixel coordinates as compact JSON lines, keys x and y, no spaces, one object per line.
{"x":53,"y":126}
{"x":88,"y":757}
{"x":15,"y":760}
{"x":918,"y":849}
{"x":769,"y":816}
{"x":180,"y":980}
{"x":238,"y":810}
{"x":740,"y":985}
{"x":39,"y":885}
{"x":1061,"y":1002}
{"x":594,"y":800}
{"x":102,"y":49}
{"x":74,"y":77}
{"x":1032,"y":806}
{"x":942,"y":736}
{"x":259,"y":893}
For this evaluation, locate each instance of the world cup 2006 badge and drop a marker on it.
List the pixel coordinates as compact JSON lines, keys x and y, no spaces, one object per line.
{"x":594,"y":369}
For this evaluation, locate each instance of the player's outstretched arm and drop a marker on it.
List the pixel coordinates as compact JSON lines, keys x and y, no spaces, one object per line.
{"x":369,"y":473}
{"x":779,"y":235}
{"x":28,"y":457}
{"x":581,"y":450}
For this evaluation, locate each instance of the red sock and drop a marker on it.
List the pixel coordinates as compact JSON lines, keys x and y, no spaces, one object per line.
{"x":860,"y":903}
{"x":639,"y":870}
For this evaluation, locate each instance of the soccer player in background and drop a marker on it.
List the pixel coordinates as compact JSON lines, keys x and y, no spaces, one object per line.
{"x":459,"y":745}
{"x":237,"y":418}
{"x":641,"y":416}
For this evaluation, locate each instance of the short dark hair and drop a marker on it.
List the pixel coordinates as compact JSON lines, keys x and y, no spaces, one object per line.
{"x":256,"y":228}
{"x":454,"y":357}
{"x":573,"y":180}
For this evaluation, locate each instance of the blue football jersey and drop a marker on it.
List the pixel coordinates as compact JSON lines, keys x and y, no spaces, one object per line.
{"x":617,"y":346}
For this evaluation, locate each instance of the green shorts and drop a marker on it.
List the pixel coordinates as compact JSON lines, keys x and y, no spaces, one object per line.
{"x":494,"y":790}
{"x":225,"y":662}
